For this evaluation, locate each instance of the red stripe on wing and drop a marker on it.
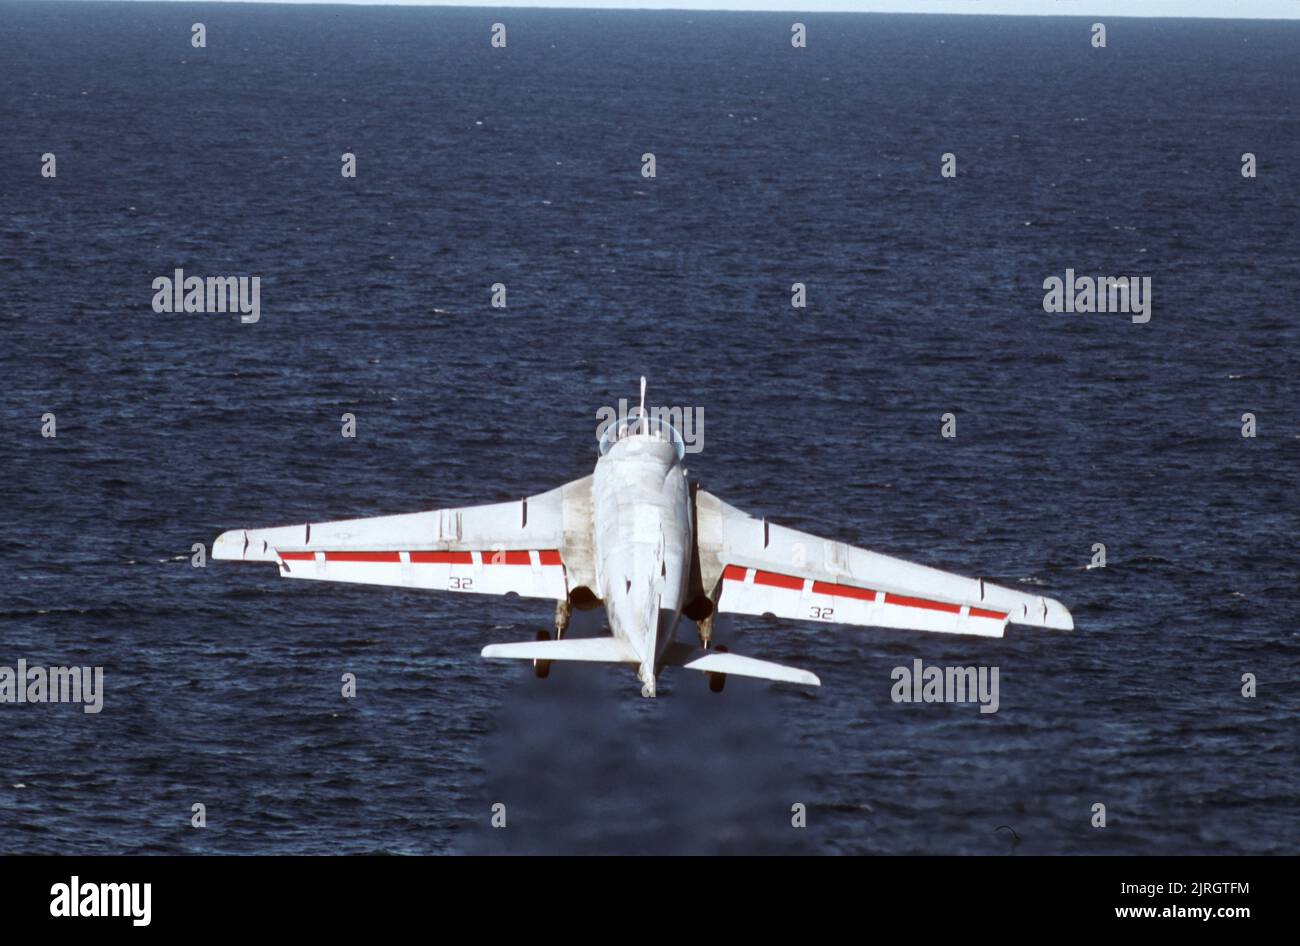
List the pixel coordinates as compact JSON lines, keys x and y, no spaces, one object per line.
{"x":363,"y":556}
{"x":438,"y":557}
{"x":922,"y":603}
{"x":510,"y":558}
{"x":843,"y":591}
{"x":442,"y":558}
{"x":777,"y":580}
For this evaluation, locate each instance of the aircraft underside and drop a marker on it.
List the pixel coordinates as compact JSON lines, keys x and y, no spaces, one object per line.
{"x":638,"y":537}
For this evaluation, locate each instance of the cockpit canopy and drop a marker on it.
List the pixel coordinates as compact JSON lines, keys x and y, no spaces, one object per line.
{"x":644,"y":427}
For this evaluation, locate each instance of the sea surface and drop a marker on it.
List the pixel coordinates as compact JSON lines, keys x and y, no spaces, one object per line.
{"x":522,"y":166}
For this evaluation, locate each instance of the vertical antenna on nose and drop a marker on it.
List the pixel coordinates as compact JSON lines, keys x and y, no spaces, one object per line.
{"x":645,"y":427}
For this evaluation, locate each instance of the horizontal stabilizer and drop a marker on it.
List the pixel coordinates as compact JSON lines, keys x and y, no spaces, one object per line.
{"x":598,"y":649}
{"x":712,"y":661}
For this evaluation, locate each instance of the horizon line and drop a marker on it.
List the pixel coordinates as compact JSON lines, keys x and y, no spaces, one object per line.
{"x":1075,"y":8}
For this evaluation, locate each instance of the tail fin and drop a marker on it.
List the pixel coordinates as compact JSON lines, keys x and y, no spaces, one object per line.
{"x":598,"y":649}
{"x":712,"y":661}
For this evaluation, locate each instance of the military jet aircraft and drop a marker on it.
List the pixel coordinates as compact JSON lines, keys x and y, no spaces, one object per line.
{"x":638,"y":537}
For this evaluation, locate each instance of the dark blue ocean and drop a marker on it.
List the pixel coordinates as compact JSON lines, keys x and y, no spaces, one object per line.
{"x":521,"y":166}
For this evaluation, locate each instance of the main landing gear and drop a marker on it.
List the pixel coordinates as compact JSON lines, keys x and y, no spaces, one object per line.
{"x":563,"y":611}
{"x":716,"y":680}
{"x":705,"y":624}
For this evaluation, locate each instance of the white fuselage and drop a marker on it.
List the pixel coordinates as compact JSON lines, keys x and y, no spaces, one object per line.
{"x":643,"y":532}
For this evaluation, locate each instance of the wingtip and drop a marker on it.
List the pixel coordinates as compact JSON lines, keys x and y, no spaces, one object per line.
{"x":245,"y":545}
{"x":1058,"y":616}
{"x":228,"y":545}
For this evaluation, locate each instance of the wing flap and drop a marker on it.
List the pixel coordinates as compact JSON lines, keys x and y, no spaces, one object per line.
{"x":754,"y":591}
{"x":532,"y":573}
{"x":758,"y":567}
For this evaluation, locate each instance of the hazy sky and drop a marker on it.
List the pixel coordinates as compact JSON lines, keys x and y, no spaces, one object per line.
{"x":1279,"y":9}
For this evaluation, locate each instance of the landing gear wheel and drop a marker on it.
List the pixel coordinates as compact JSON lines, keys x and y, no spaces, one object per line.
{"x":542,"y":668}
{"x":718,"y":680}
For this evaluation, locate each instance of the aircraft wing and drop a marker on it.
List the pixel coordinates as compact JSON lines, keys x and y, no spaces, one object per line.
{"x":753,"y":566}
{"x":539,"y":547}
